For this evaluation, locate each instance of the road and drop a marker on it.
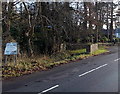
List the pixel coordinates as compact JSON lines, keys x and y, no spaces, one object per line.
{"x":94,"y":74}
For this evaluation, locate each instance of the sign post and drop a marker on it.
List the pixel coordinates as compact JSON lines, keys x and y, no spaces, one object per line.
{"x":11,"y":49}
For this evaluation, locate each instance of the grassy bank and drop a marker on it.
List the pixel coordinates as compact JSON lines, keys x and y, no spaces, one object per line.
{"x":26,"y":66}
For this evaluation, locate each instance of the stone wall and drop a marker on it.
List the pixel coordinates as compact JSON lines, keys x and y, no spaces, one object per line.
{"x":75,"y":46}
{"x":62,"y":47}
{"x":105,"y":44}
{"x":91,"y":48}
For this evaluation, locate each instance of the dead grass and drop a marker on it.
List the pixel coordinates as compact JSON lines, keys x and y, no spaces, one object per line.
{"x":26,"y":66}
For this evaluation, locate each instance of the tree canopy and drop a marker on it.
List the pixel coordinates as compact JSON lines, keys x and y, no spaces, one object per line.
{"x":41,"y":27}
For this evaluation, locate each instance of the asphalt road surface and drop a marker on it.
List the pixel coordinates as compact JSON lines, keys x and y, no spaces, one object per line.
{"x":94,"y":74}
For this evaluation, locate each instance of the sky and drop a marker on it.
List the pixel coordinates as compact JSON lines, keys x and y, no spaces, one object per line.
{"x":104,"y":26}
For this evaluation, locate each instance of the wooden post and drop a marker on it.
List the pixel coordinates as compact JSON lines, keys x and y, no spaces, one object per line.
{"x":5,"y":59}
{"x":15,"y":58}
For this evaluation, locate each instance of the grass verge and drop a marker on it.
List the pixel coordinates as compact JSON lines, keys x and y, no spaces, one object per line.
{"x":26,"y":66}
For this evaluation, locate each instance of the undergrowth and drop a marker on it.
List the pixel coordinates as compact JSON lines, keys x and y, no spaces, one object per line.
{"x":26,"y":66}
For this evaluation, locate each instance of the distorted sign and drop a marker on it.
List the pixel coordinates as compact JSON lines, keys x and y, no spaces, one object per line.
{"x":11,"y":49}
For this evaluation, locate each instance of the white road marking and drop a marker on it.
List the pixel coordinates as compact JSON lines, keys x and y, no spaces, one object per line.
{"x":117,"y":59}
{"x":49,"y":89}
{"x":93,"y":70}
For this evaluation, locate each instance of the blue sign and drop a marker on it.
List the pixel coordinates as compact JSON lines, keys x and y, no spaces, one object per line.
{"x":117,"y":32}
{"x":11,"y":49}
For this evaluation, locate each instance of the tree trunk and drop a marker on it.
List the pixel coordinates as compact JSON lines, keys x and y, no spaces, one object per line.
{"x":30,"y":44}
{"x":97,"y":22}
{"x":111,"y":24}
{"x":107,"y":23}
{"x":85,"y":17}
